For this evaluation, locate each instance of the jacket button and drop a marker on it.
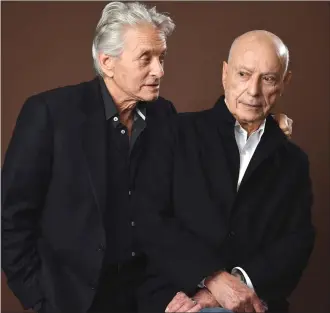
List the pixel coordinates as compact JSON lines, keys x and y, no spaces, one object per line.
{"x":101,"y":247}
{"x":231,"y":234}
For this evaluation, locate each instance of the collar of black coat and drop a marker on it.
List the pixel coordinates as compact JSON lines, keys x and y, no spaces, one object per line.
{"x":224,"y":118}
{"x":109,"y":104}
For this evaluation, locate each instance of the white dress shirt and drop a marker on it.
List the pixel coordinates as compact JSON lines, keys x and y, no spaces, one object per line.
{"x":246,"y":147}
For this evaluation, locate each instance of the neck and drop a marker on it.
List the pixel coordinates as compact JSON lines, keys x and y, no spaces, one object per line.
{"x":250,"y":127}
{"x":124,"y":103}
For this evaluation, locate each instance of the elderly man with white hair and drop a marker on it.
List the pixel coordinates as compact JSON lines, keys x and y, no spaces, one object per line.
{"x":68,"y":241}
{"x":68,"y":227}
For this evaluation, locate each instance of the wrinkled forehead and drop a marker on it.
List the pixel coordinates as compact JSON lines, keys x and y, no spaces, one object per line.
{"x":144,"y":37}
{"x":258,"y":56}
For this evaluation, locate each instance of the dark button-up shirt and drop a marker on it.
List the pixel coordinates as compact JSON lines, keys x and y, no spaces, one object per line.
{"x":122,"y":154}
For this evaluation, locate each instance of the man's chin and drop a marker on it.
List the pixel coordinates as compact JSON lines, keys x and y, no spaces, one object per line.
{"x":249,"y":118}
{"x":150,"y":97}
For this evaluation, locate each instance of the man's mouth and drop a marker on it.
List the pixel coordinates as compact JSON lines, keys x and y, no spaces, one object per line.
{"x":152,"y":85}
{"x":252,"y":105}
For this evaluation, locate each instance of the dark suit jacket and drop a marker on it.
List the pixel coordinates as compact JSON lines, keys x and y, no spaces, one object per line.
{"x":53,"y":196}
{"x":197,"y":221}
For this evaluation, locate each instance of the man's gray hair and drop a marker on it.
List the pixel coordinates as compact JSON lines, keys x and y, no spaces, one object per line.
{"x":115,"y":16}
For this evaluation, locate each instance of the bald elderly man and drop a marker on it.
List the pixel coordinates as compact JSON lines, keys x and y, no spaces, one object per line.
{"x":227,"y":195}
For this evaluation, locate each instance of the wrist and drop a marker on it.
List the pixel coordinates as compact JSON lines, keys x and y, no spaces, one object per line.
{"x":205,"y":299}
{"x":210,"y":281}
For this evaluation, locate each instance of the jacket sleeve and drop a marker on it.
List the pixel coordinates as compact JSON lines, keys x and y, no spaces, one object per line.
{"x":276,"y":270}
{"x":25,"y":177}
{"x":176,"y":253}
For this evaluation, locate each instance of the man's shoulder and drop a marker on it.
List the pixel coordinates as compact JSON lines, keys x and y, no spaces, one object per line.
{"x":197,"y":119}
{"x":65,"y":94}
{"x":160,"y":107}
{"x":296,"y":153}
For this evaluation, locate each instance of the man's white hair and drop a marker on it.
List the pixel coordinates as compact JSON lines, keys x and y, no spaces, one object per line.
{"x":115,"y":16}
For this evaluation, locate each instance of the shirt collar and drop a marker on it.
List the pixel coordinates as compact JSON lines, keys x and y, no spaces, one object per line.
{"x":260,"y":130}
{"x":110,"y":107}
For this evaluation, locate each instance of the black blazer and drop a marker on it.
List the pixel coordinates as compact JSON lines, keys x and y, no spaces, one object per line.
{"x":53,"y":196}
{"x":197,"y":221}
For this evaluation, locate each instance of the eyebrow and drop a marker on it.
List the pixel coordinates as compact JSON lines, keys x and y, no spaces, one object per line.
{"x":242,"y":67}
{"x":150,"y":51}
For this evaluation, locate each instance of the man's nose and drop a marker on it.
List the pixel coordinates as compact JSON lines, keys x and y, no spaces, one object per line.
{"x":254,"y":86}
{"x":157,"y":68}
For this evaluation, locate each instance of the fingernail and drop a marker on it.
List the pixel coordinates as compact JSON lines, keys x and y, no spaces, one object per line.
{"x":166,"y":310}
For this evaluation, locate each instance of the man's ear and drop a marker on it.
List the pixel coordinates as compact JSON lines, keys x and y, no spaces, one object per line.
{"x":224,"y":74}
{"x":287,"y":78}
{"x":286,"y":81}
{"x":107,"y":64}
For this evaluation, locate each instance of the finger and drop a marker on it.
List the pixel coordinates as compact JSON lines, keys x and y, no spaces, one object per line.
{"x":187,"y":305}
{"x":264,"y":305}
{"x":172,"y":302}
{"x":174,"y":306}
{"x":284,"y":126}
{"x":283,"y":121}
{"x":258,"y":306}
{"x":195,"y":308}
{"x":179,"y":296}
{"x":176,"y":302}
{"x":248,"y":307}
{"x":290,"y":122}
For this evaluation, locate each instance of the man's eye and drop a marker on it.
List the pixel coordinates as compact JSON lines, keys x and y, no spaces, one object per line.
{"x":242,"y":74}
{"x":269,"y":79}
{"x":145,"y":60}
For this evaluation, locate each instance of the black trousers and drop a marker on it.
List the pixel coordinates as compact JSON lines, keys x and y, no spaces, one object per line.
{"x":117,"y":289}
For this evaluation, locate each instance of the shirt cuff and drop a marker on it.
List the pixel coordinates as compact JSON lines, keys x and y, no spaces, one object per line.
{"x":201,"y":284}
{"x":246,"y":276}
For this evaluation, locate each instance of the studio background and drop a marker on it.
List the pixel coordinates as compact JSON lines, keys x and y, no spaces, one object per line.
{"x":48,"y":44}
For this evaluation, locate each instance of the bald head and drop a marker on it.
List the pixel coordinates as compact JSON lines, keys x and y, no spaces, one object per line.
{"x":265,"y":40}
{"x":255,"y":75}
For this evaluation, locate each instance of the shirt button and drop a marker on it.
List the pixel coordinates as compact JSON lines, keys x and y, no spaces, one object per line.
{"x":115,"y":119}
{"x":231,"y":233}
{"x":133,"y":253}
{"x":133,"y":223}
{"x":123,"y":131}
{"x":101,"y":247}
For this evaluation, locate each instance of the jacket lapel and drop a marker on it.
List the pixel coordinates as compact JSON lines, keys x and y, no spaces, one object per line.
{"x":228,"y":147}
{"x":94,"y":141}
{"x":226,"y":123}
{"x":272,"y":138}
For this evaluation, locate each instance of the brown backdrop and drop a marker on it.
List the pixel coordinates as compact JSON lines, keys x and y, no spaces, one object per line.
{"x":48,"y":44}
